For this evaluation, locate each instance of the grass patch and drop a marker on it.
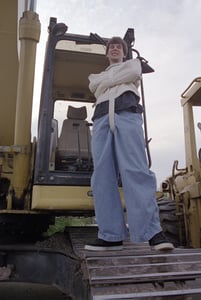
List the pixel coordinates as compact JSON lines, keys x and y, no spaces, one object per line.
{"x":62,"y":222}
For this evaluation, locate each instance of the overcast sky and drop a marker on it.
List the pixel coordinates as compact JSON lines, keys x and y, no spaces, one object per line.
{"x":167,"y":34}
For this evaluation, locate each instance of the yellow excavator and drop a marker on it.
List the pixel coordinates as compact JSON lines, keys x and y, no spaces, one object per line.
{"x":49,"y":176}
{"x":184,"y":184}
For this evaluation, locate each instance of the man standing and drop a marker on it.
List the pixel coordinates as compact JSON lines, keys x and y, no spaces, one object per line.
{"x":118,"y":147}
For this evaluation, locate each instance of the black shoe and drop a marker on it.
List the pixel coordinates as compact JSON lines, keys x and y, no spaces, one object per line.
{"x":160,"y":242}
{"x":101,"y":245}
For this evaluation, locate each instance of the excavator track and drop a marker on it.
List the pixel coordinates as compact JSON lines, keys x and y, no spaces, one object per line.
{"x":136,"y":272}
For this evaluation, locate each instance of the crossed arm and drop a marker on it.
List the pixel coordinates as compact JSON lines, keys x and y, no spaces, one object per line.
{"x":126,"y":72}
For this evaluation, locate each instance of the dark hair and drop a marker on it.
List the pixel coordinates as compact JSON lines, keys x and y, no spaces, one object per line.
{"x":117,"y":40}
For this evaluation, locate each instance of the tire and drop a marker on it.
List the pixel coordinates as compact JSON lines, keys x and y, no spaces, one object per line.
{"x":170,"y":222}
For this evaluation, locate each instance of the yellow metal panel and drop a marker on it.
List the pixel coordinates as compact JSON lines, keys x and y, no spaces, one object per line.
{"x":9,"y":69}
{"x":61,"y":198}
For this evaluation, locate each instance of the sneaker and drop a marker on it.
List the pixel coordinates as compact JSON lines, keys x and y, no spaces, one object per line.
{"x":160,"y":242}
{"x":101,"y":245}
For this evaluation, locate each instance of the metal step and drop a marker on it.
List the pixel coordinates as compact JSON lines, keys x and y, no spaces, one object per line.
{"x":146,"y":277}
{"x":137,"y":272}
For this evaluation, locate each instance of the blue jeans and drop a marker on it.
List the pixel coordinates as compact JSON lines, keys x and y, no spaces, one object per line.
{"x":123,"y":152}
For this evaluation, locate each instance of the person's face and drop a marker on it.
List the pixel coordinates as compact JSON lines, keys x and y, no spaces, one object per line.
{"x":115,"y":53}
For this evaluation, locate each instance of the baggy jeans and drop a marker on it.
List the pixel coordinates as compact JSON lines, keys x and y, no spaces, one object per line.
{"x":123,"y":152}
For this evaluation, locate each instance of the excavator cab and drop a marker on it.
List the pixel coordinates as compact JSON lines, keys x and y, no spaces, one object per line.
{"x":63,"y":164}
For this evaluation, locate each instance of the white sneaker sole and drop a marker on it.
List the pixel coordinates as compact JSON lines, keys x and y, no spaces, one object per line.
{"x":163,"y":247}
{"x":99,"y":248}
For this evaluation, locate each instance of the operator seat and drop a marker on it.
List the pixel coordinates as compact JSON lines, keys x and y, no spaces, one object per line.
{"x":74,"y":142}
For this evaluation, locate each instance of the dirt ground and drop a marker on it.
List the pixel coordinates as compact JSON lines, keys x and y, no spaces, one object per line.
{"x":22,"y":291}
